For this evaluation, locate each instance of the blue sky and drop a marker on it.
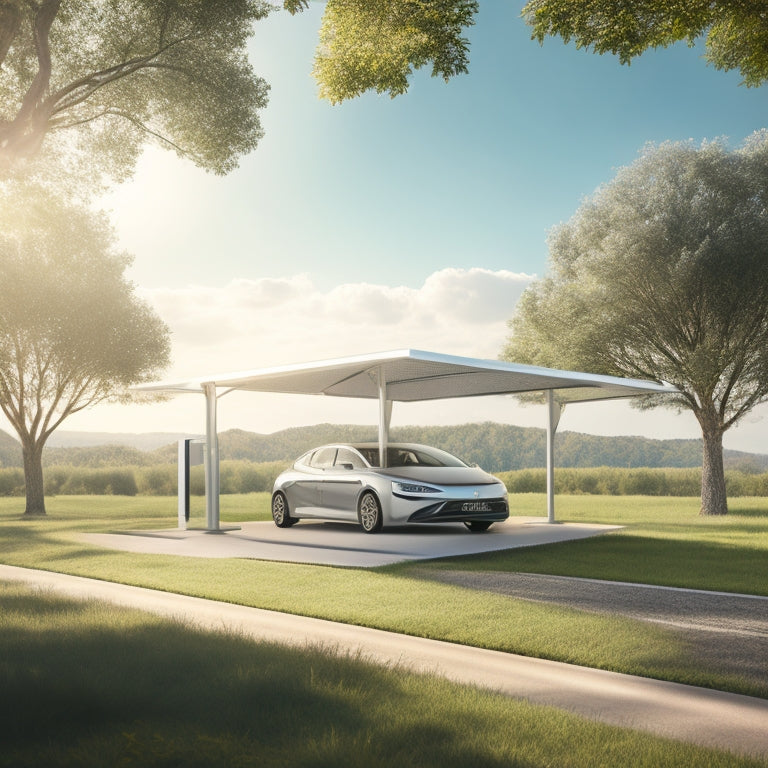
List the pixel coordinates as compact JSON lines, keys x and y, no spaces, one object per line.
{"x":413,"y":222}
{"x":473,"y":172}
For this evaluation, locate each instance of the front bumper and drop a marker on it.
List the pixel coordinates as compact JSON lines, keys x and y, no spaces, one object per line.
{"x":459,"y":510}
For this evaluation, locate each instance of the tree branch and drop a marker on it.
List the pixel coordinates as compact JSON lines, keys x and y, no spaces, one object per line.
{"x":95,"y":80}
{"x":147,"y":129}
{"x":46,"y":13}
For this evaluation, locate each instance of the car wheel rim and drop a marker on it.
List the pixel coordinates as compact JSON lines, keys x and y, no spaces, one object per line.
{"x":369,"y":512}
{"x":278,"y":509}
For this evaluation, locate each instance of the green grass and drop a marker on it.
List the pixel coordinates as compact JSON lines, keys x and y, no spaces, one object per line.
{"x":665,"y":542}
{"x":393,"y":598}
{"x":86,"y":684}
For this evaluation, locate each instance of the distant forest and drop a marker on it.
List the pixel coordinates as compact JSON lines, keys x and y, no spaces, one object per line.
{"x":495,"y":447}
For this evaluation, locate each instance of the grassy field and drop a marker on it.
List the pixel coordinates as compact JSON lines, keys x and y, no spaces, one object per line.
{"x":402,"y":599}
{"x":665,"y":542}
{"x":85,"y":684}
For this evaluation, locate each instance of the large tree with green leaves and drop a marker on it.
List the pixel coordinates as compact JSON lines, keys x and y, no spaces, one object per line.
{"x":736,"y":32}
{"x":105,"y":76}
{"x":663,"y":274}
{"x":93,"y":80}
{"x":73,"y":333}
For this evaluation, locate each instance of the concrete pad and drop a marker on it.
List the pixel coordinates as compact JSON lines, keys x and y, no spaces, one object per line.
{"x":341,"y":544}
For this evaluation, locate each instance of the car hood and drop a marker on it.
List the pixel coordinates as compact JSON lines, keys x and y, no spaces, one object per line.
{"x":440,"y":475}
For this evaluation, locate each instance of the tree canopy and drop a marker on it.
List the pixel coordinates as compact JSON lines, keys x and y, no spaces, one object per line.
{"x":105,"y":76}
{"x":663,"y":274}
{"x":72,"y":331}
{"x":736,"y":32}
{"x":375,"y":46}
{"x":95,"y":80}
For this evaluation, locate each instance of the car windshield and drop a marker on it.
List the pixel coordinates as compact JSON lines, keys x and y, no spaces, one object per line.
{"x":411,"y":455}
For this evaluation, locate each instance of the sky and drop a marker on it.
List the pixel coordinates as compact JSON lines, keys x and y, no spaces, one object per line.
{"x":413,"y":222}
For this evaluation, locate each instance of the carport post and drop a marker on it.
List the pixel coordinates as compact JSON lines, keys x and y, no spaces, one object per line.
{"x":385,"y":416}
{"x":211,"y":459}
{"x":553,"y":418}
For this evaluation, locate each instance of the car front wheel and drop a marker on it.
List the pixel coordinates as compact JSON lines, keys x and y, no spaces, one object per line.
{"x":478,"y":526}
{"x":280,"y":511}
{"x":369,"y":513}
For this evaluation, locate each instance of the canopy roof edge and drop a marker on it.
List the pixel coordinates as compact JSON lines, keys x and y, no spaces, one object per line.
{"x":415,"y":375}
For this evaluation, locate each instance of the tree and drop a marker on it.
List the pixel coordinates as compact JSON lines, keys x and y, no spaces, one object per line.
{"x":367,"y":45}
{"x":105,"y":76}
{"x":663,"y":274}
{"x":99,"y":78}
{"x":736,"y":32}
{"x":72,"y":331}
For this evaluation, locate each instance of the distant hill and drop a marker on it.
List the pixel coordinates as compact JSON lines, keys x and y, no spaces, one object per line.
{"x":146,"y":441}
{"x":495,"y":447}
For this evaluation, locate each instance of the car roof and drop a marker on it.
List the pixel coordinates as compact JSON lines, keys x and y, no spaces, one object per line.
{"x":408,"y":446}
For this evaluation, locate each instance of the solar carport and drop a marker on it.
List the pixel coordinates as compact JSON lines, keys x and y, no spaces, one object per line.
{"x":404,"y":376}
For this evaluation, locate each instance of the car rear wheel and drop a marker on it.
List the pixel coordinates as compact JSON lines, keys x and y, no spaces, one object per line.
{"x":478,"y":526}
{"x":369,"y":513}
{"x":280,"y":512}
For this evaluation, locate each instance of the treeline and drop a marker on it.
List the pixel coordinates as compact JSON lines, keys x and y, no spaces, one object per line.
{"x":615,"y":481}
{"x":249,"y":477}
{"x":495,"y":447}
{"x":157,"y":480}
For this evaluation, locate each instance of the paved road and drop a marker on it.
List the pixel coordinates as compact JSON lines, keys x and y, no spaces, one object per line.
{"x":700,"y":716}
{"x":726,"y":631}
{"x":684,"y":608}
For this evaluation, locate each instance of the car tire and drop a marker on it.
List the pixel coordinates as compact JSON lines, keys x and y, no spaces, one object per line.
{"x":369,"y":513}
{"x":478,"y":526}
{"x":280,"y":513}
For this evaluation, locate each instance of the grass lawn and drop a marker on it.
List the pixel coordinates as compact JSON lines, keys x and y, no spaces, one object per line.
{"x":86,"y":684}
{"x":665,"y":542}
{"x":397,"y":597}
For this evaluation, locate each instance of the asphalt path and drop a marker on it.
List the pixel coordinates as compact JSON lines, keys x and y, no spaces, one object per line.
{"x":685,"y":608}
{"x":727,"y":631}
{"x":696,"y":715}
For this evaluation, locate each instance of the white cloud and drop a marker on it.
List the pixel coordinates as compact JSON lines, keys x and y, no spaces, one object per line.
{"x":257,"y":323}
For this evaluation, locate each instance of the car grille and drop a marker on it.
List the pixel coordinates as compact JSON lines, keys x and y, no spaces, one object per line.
{"x":462,"y":509}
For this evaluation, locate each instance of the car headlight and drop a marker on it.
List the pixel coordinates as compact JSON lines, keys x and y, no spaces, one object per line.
{"x":410,"y":488}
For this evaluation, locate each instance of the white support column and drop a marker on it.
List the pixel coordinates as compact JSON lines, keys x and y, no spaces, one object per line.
{"x":211,"y":460}
{"x":183,"y":469}
{"x":553,"y":419}
{"x":385,"y":417}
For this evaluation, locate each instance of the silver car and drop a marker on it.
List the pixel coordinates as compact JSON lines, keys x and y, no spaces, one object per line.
{"x":418,"y":485}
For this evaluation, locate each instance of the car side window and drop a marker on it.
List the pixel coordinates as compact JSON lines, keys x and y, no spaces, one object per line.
{"x":345,"y":456}
{"x":323,"y":458}
{"x":303,"y":461}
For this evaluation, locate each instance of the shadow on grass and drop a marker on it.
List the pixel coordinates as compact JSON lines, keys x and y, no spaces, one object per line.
{"x":734,"y":509}
{"x":83,"y":684}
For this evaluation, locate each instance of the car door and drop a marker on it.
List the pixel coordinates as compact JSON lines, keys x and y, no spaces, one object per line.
{"x":307,"y":492}
{"x":341,"y":485}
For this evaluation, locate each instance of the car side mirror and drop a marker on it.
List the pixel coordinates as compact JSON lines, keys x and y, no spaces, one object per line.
{"x":346,"y":465}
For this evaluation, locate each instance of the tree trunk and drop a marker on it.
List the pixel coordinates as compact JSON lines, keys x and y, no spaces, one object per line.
{"x":713,"y":496}
{"x":33,"y":478}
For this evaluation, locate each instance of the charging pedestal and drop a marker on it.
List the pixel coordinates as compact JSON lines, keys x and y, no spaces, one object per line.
{"x":191,"y":454}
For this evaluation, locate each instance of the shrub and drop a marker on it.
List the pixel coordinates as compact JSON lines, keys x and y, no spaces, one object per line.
{"x":11,"y":481}
{"x":617,"y":481}
{"x":161,"y":480}
{"x":249,"y":477}
{"x":77,"y":481}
